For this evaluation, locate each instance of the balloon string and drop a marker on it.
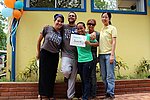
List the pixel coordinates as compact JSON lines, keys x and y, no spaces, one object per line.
{"x":13,"y":32}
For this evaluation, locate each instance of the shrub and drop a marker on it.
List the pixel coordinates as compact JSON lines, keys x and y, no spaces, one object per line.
{"x":143,"y":69}
{"x":120,"y":64}
{"x":30,"y":73}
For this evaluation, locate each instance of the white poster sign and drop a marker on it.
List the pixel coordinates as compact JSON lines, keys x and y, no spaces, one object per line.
{"x":77,"y":40}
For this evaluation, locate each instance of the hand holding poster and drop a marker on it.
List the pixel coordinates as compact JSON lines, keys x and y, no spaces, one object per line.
{"x":77,"y":40}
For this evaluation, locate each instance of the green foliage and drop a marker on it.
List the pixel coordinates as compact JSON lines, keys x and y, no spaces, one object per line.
{"x":2,"y":74}
{"x":101,"y":4}
{"x":69,"y":4}
{"x":3,"y":37}
{"x":42,"y":3}
{"x":143,"y":69}
{"x":59,"y":3}
{"x":4,"y":79}
{"x":3,"y":70}
{"x":30,"y":73}
{"x":120,"y":64}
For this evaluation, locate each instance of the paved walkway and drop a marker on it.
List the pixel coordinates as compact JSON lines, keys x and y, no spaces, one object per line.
{"x":136,"y":96}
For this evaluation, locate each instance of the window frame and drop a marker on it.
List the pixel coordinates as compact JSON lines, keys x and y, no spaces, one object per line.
{"x":55,"y":9}
{"x":119,"y":11}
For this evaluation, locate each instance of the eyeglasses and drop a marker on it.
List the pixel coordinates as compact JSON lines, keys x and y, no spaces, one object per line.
{"x":91,"y":24}
{"x":71,"y":15}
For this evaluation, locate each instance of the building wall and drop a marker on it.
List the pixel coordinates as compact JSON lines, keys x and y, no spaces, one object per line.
{"x":133,"y":41}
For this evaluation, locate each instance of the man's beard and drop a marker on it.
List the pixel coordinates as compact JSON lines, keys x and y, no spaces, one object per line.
{"x":71,"y":22}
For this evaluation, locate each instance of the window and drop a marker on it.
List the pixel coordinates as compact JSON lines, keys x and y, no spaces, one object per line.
{"x":56,"y":5}
{"x":119,"y":6}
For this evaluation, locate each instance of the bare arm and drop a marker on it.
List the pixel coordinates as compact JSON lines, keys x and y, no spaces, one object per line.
{"x":39,"y":46}
{"x":113,"y":49}
{"x":92,"y":44}
{"x":93,"y":36}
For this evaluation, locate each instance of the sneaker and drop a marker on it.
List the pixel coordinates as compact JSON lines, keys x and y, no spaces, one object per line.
{"x":109,"y":97}
{"x":112,"y":97}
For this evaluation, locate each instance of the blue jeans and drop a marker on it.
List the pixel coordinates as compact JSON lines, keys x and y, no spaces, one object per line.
{"x":107,"y":72}
{"x":84,"y":70}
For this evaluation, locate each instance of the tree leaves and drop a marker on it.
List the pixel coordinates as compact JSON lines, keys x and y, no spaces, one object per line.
{"x":3,"y":37}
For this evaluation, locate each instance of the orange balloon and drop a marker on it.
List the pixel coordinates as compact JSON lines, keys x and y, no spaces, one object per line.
{"x":9,"y":3}
{"x":21,"y":11}
{"x":16,"y":14}
{"x":14,"y":1}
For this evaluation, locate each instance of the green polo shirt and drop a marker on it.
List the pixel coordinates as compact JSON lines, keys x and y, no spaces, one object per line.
{"x":84,"y":53}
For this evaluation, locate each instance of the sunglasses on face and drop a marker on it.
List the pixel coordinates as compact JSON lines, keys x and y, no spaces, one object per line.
{"x":71,"y":15}
{"x":91,"y":24}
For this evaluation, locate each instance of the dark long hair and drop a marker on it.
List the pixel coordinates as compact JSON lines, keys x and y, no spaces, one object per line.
{"x":109,"y":15}
{"x":82,"y":24}
{"x":59,"y":15}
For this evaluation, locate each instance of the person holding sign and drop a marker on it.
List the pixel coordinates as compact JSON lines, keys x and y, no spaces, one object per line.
{"x":85,"y":59}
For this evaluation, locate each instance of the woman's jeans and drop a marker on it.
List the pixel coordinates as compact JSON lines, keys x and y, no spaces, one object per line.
{"x":107,"y":72}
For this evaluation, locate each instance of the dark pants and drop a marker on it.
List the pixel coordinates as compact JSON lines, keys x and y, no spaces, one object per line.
{"x":47,"y":72}
{"x":84,"y":69}
{"x":93,"y":80}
